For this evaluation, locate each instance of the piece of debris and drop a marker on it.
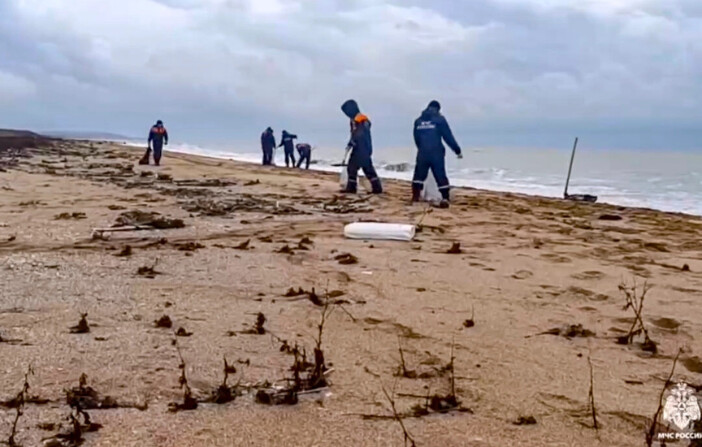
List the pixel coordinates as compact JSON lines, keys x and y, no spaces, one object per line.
{"x":86,"y":398}
{"x":147,"y":219}
{"x":148,"y":271}
{"x":181,"y":332}
{"x":346,"y":259}
{"x":82,"y":327}
{"x":164,"y":322}
{"x":610,"y":217}
{"x":164,"y":177}
{"x":292,"y":292}
{"x":569,"y":331}
{"x":285,"y":250}
{"x":257,"y":328}
{"x":685,"y":268}
{"x":469,"y":323}
{"x":126,"y":251}
{"x":68,"y":216}
{"x":304,"y":243}
{"x":190,"y":246}
{"x":244,"y":245}
{"x":525,"y":420}
{"x":286,"y":397}
{"x":455,"y":249}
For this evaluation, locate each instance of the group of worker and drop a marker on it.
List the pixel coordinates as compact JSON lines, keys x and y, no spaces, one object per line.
{"x":287,"y":142}
{"x":430,"y":131}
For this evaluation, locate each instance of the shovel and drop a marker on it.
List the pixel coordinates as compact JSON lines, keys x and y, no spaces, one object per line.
{"x":343,"y":162}
{"x":576,"y":197}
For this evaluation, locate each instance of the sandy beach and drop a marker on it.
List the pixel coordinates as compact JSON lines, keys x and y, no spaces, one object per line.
{"x":530,"y":294}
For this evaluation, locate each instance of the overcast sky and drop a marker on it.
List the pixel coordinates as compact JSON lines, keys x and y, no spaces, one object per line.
{"x":222,"y":70}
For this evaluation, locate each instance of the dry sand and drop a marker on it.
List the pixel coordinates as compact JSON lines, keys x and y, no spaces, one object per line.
{"x":527,"y":265}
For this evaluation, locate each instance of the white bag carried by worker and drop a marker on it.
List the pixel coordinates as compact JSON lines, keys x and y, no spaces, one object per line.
{"x":344,"y":177}
{"x":431,"y":192}
{"x":379,"y":231}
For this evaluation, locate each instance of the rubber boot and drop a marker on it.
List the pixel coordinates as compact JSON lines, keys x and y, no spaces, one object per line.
{"x":444,"y":198}
{"x":350,"y":189}
{"x":416,"y":193}
{"x":377,"y":187}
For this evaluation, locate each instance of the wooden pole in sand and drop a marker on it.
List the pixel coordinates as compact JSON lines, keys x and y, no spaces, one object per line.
{"x":570,"y":169}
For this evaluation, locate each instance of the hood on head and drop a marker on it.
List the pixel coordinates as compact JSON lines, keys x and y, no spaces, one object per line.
{"x":285,"y":133}
{"x":429,"y":112}
{"x":269,"y":130}
{"x":159,"y":123}
{"x":350,"y":108}
{"x":432,"y":110}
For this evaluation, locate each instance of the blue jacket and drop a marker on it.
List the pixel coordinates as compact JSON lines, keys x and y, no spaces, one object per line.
{"x":429,"y":131}
{"x":158,"y":135}
{"x":304,"y":149}
{"x":287,"y":141}
{"x":267,"y":140}
{"x":361,"y":141}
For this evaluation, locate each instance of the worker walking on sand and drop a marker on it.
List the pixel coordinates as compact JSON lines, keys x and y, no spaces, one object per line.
{"x":158,"y":137}
{"x":268,"y":146}
{"x":429,"y":131}
{"x":287,"y":143}
{"x":305,"y":151}
{"x":361,"y":147}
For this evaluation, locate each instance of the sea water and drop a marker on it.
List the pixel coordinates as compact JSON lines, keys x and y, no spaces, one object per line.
{"x":663,"y":180}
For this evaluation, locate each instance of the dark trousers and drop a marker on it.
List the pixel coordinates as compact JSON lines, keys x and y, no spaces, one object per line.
{"x":289,"y":157}
{"x":362,"y":161}
{"x":304,"y":158}
{"x":267,"y":157}
{"x":437,"y":164}
{"x":158,"y":150}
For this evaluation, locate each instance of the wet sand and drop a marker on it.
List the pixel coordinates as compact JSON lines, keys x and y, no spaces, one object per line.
{"x":526,"y":265}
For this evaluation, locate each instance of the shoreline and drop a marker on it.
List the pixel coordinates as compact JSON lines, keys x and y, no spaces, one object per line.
{"x":405,"y":176}
{"x":523,"y":267}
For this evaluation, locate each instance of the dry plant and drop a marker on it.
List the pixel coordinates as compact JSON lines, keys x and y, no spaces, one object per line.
{"x":189,"y":402}
{"x":591,"y":396}
{"x":635,"y":301}
{"x":651,"y":434}
{"x":408,"y":439}
{"x":20,"y":401}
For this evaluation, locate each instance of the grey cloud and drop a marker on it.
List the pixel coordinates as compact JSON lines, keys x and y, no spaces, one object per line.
{"x":223,"y":69}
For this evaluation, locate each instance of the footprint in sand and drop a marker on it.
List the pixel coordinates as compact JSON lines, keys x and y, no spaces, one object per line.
{"x":579,"y":292}
{"x":693,"y":364}
{"x":641,"y":271}
{"x":523,"y":274}
{"x":554,"y":257}
{"x":589,"y":275}
{"x":666,"y":323}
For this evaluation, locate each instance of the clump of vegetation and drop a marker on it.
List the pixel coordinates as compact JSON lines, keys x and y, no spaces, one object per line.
{"x":635,"y":301}
{"x":82,"y":327}
{"x":189,"y":402}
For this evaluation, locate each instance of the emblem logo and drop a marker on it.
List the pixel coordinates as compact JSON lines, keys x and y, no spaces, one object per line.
{"x":681,"y":407}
